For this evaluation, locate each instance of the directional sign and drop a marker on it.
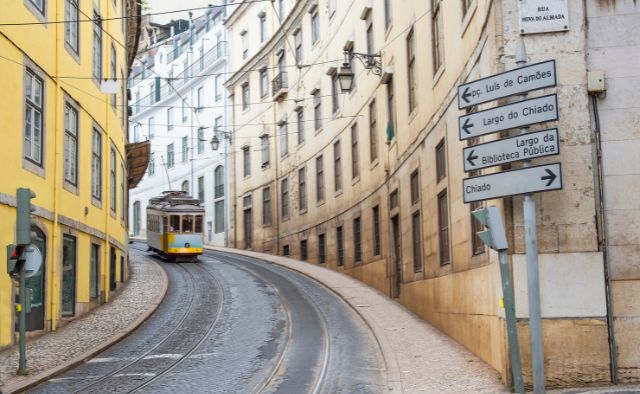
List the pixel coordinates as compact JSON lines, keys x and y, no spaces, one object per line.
{"x":519,"y":80}
{"x":507,"y":150}
{"x":541,"y":178}
{"x":522,"y":113}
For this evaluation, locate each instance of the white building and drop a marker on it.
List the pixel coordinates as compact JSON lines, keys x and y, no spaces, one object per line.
{"x":177,"y":101}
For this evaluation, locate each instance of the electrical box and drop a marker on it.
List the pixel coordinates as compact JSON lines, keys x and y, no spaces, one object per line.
{"x":595,"y":81}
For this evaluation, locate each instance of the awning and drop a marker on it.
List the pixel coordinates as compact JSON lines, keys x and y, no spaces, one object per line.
{"x":137,"y":161}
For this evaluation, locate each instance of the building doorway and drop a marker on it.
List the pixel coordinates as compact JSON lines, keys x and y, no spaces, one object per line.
{"x":68,"y":275}
{"x":396,"y":257}
{"x":112,"y":268}
{"x":248,"y":230}
{"x":35,"y":318}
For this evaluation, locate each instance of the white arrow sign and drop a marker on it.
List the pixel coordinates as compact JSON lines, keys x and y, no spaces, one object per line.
{"x":541,"y":178}
{"x":522,"y":113}
{"x":507,"y":150}
{"x":508,"y":83}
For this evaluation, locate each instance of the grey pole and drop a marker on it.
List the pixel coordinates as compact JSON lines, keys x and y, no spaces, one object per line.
{"x":531,"y":249}
{"x":22,"y":320}
{"x":510,"y":314}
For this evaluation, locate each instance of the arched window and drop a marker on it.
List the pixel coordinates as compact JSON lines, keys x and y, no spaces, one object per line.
{"x":136,"y":218}
{"x":185,"y":186}
{"x":219,"y":182}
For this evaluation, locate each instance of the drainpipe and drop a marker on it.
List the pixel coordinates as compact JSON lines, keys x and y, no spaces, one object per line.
{"x":602,"y":240}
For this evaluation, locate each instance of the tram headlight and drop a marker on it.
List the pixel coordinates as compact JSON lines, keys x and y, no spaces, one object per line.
{"x":187,"y":245}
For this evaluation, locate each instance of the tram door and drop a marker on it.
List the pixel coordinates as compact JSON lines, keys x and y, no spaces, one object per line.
{"x":35,"y":318}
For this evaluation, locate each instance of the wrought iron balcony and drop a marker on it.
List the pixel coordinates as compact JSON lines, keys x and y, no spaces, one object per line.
{"x":279,"y":86}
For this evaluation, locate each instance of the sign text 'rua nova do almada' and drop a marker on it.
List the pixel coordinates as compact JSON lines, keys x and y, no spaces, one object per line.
{"x":517,"y":81}
{"x":542,"y":178}
{"x":508,"y":150}
{"x":522,"y":113}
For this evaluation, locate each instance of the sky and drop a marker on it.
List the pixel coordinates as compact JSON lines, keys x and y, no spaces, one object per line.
{"x":169,"y":5}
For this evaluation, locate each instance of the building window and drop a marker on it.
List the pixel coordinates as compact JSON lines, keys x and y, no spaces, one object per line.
{"x":185,"y":186}
{"x":284,"y":139}
{"x":280,"y":10}
{"x":112,"y":182}
{"x":317,"y":109}
{"x":302,"y":189}
{"x":477,"y":244}
{"x":219,"y":217}
{"x":96,"y":165}
{"x":322,"y":255}
{"x":297,"y":39}
{"x":315,"y":26}
{"x":416,"y":244}
{"x":95,"y":261}
{"x":357,"y":241}
{"x":218,"y":87}
{"x":415,"y":187}
{"x":391,"y":111}
{"x":170,"y":118}
{"x":33,"y":126}
{"x":355,"y":161}
{"x":185,"y":112}
{"x":337,"y":166}
{"x":97,"y":47}
{"x":437,"y":35}
{"x":113,"y":70}
{"x":152,"y":164}
{"x":285,"y":250}
{"x":411,"y":65}
{"x":264,"y":144}
{"x":300,"y":120}
{"x":285,"y":198}
{"x":369,"y":35}
{"x":245,"y":45}
{"x":466,"y":5}
{"x":266,"y":206}
{"x":332,"y":8}
{"x":39,"y":5}
{"x":441,"y":163}
{"x":373,"y":131}
{"x":376,"y":231}
{"x":303,"y":250}
{"x":122,"y":201}
{"x":245,"y":96}
{"x":264,"y":82}
{"x":185,"y":149}
{"x":218,"y":182}
{"x":335,"y":88}
{"x":393,"y":200}
{"x":246,"y":161}
{"x":200,"y":97}
{"x":151,"y":127}
{"x":262,"y":20}
{"x":443,"y":227}
{"x":387,"y":13}
{"x":200,"y":140}
{"x":71,"y":27}
{"x":70,"y":144}
{"x":170,"y":157}
{"x":201,"y":189}
{"x":340,"y":245}
{"x":319,"y":179}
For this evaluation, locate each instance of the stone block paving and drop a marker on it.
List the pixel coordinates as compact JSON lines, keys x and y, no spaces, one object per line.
{"x":78,"y":339}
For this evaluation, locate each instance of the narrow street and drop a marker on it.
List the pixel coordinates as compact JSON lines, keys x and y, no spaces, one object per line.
{"x":235,"y":324}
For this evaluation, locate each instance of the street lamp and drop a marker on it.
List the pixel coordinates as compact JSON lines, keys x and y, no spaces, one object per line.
{"x":369,"y":61}
{"x":215,"y":140}
{"x":215,"y":143}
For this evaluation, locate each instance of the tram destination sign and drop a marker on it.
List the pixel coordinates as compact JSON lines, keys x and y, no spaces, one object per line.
{"x":521,"y":113}
{"x":542,"y":178}
{"x":520,"y":80}
{"x":508,"y":150}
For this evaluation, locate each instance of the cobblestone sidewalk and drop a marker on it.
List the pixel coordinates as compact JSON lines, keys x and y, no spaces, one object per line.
{"x":90,"y":333}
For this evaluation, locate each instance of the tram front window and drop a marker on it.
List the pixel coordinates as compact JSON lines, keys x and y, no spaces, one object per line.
{"x":174,"y":227}
{"x":198,"y":224}
{"x":187,"y":224}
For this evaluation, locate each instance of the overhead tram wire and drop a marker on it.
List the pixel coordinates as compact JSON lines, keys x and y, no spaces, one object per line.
{"x":129,"y":16}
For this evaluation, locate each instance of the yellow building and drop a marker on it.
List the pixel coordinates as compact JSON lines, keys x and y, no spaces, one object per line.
{"x":64,"y":137}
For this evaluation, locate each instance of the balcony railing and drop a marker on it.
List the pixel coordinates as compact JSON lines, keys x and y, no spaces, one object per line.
{"x":279,"y":85}
{"x":196,"y":67}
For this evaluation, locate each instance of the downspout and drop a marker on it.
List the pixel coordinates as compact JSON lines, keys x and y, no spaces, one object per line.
{"x":56,"y":200}
{"x":602,"y":241}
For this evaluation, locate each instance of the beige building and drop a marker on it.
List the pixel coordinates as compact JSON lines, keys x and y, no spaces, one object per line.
{"x":369,"y":182}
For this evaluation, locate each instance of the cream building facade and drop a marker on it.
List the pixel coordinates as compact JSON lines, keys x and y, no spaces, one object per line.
{"x":369,"y":182}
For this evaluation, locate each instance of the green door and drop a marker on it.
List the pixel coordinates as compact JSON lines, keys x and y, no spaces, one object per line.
{"x":35,"y":318}
{"x":68,"y":275}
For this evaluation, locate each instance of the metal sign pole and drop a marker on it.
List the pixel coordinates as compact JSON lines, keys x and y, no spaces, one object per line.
{"x":531,"y":249}
{"x":22,"y":319}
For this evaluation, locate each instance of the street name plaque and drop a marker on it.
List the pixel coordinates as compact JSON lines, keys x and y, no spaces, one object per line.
{"x":521,"y":113}
{"x":517,"y":81}
{"x":508,"y":150}
{"x":542,"y":178}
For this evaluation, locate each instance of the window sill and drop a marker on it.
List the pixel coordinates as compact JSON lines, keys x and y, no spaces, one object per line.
{"x":355,"y":180}
{"x":338,"y":193}
{"x":438,"y":75}
{"x":33,"y":167}
{"x":320,"y":203}
{"x":75,"y":55}
{"x":413,"y":114}
{"x":374,"y":164}
{"x":302,"y":211}
{"x":70,"y":187}
{"x":96,"y":203}
{"x":317,"y":131}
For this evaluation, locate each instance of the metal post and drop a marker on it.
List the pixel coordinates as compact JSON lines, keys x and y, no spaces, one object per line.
{"x":510,"y":313}
{"x":531,"y":250}
{"x":22,"y":322}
